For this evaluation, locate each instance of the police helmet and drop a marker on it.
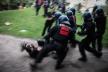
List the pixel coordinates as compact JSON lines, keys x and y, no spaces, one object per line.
{"x":99,"y":11}
{"x":63,"y":18}
{"x":73,"y":10}
{"x":69,"y":13}
{"x":57,"y":14}
{"x":87,"y":16}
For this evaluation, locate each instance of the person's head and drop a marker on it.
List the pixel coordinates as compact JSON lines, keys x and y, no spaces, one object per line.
{"x":69,"y":13}
{"x":63,"y":19}
{"x":49,"y":14}
{"x":57,"y":14}
{"x":73,"y":10}
{"x":100,"y":12}
{"x":87,"y":17}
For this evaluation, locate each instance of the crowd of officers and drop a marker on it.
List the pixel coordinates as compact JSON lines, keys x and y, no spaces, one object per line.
{"x":63,"y":33}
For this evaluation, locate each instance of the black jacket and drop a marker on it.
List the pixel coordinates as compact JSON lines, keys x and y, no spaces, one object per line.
{"x":59,"y":35}
{"x":100,"y":24}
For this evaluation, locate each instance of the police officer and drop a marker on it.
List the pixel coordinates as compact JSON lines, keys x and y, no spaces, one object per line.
{"x":60,"y":36}
{"x":73,"y":10}
{"x":100,"y":20}
{"x":74,"y":13}
{"x":94,"y":10}
{"x":72,"y":22}
{"x":48,"y":23}
{"x":88,"y":29}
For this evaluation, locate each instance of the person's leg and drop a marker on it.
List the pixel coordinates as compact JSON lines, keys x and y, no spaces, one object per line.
{"x":99,"y":43}
{"x":82,"y":52}
{"x":44,"y":11}
{"x":37,"y":9}
{"x":49,"y":27}
{"x":94,"y":43}
{"x":43,"y":53}
{"x":61,"y":55}
{"x":45,"y":28}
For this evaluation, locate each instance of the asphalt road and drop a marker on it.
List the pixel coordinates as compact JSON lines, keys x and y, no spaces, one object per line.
{"x":13,"y":60}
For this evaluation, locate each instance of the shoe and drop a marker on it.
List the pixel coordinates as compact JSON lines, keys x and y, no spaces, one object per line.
{"x":33,"y":66}
{"x":59,"y":67}
{"x":99,"y":55}
{"x":83,"y":59}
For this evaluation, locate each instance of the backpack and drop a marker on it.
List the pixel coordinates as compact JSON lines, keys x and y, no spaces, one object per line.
{"x":64,"y":31}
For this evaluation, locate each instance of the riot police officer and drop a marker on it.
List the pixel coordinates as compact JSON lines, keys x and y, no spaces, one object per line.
{"x":60,"y":36}
{"x":72,"y":23}
{"x":88,"y":29}
{"x":100,"y":20}
{"x":48,"y":23}
{"x":73,"y":10}
{"x":71,"y":19}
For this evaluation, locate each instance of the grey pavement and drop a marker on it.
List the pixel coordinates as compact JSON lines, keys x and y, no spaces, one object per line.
{"x":13,"y":60}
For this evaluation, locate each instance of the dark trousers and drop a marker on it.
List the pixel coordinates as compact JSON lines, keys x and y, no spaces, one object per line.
{"x":85,"y":45}
{"x":59,"y":48}
{"x":47,"y":26}
{"x":45,"y":11}
{"x":37,"y":9}
{"x":99,"y":42}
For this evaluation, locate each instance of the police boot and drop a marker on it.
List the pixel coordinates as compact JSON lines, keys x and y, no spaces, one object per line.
{"x":83,"y":59}
{"x":59,"y":66}
{"x":98,"y":54}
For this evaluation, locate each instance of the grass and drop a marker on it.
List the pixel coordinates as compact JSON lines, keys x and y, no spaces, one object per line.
{"x":21,"y":20}
{"x":26,"y":19}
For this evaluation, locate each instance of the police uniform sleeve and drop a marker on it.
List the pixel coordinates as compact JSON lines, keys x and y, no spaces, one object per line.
{"x":51,"y":32}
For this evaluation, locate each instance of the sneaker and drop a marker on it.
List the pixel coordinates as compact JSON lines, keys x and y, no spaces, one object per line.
{"x":83,"y":59}
{"x":59,"y":67}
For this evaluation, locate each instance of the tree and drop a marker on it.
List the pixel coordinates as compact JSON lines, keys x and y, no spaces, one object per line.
{"x":13,"y":4}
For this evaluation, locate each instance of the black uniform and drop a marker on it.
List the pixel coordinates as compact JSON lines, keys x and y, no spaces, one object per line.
{"x":100,"y":25}
{"x":60,"y":36}
{"x":38,"y":6}
{"x":88,"y":29}
{"x":46,"y":6}
{"x":73,"y":25}
{"x":48,"y":23}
